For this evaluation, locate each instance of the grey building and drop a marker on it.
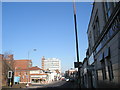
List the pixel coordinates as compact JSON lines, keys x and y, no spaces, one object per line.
{"x":104,"y":45}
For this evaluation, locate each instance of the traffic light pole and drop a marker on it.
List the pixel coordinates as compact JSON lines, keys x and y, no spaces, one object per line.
{"x":77,"y":52}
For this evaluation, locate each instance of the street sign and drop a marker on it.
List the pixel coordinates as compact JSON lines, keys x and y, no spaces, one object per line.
{"x":77,"y":64}
{"x":9,"y":74}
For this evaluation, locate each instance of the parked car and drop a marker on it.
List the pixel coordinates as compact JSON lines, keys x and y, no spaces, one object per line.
{"x":67,"y":79}
{"x":63,"y":78}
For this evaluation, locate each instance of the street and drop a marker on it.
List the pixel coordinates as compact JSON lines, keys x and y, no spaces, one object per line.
{"x":56,"y":84}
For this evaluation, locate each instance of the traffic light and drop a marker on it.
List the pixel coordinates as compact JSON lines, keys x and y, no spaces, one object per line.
{"x":9,"y":74}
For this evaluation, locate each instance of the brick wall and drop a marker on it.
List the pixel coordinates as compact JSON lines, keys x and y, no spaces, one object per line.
{"x":23,"y":75}
{"x":23,"y":64}
{"x":21,"y":70}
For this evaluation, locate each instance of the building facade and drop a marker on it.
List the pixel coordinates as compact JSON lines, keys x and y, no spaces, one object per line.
{"x":7,"y":65}
{"x":22,"y":70}
{"x":32,"y":75}
{"x":51,"y":64}
{"x":43,"y":58}
{"x":23,"y":64}
{"x":28,"y":74}
{"x":38,"y":76}
{"x":104,"y":45}
{"x":71,"y":73}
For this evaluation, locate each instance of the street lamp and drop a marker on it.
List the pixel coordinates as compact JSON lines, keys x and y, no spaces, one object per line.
{"x":27,"y":76}
{"x":29,"y":53}
{"x":77,"y":52}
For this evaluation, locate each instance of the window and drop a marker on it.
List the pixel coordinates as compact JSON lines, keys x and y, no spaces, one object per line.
{"x":96,"y":27}
{"x":103,"y":69}
{"x":90,"y":40}
{"x":108,"y":8}
{"x":110,"y":70}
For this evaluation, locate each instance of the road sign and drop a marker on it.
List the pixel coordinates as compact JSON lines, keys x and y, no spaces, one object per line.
{"x":77,"y":64}
{"x":9,"y":74}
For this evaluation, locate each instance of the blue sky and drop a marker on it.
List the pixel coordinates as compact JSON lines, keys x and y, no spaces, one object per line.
{"x":47,"y":27}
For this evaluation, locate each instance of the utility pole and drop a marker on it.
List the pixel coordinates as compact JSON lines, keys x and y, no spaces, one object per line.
{"x":77,"y":52}
{"x":27,"y":76}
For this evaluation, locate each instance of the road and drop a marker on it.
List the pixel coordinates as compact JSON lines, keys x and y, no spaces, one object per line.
{"x":57,"y":84}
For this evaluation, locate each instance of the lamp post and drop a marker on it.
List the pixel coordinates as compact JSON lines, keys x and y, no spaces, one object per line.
{"x":76,"y":37}
{"x":27,"y":76}
{"x":29,"y":53}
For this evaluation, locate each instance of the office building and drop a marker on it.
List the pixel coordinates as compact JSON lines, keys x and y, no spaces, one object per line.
{"x":103,"y":55}
{"x":51,"y":64}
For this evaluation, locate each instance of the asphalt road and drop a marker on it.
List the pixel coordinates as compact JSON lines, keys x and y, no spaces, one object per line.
{"x":57,"y":84}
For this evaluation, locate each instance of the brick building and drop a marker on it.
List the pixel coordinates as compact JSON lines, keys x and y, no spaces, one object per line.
{"x":27,"y":73}
{"x":22,"y":69}
{"x":32,"y":75}
{"x":23,"y":64}
{"x":23,"y":74}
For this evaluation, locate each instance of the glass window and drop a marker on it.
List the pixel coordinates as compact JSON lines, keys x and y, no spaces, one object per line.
{"x":108,"y":9}
{"x":103,"y":69}
{"x":110,"y":69}
{"x":96,"y":28}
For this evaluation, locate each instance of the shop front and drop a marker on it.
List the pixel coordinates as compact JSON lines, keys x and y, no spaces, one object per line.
{"x":38,"y":79}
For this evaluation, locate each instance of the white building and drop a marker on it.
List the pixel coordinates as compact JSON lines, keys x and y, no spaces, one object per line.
{"x":37,"y":76}
{"x":52,"y":64}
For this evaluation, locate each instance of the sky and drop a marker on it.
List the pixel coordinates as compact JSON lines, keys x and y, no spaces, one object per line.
{"x":47,"y":27}
{"x":0,"y":27}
